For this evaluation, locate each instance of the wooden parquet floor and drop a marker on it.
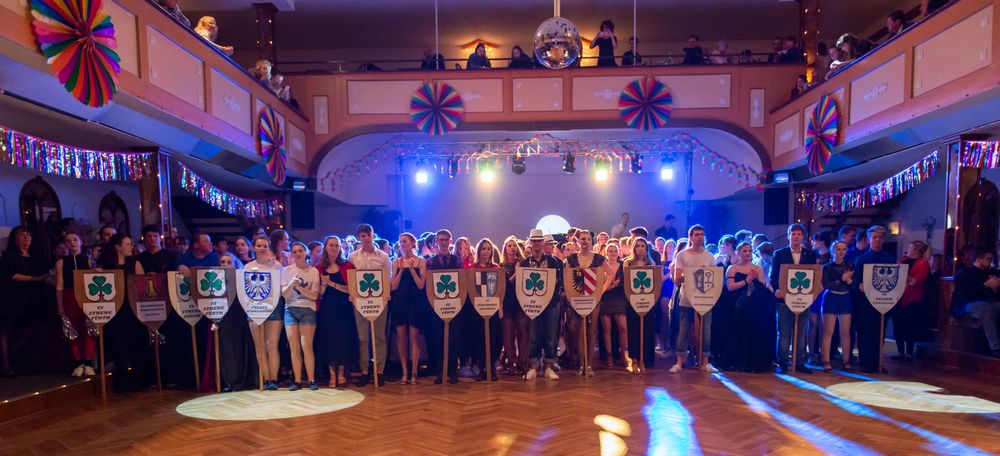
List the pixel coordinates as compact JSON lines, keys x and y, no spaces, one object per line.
{"x":689,"y":413}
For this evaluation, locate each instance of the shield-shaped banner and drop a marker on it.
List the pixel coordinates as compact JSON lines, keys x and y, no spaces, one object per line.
{"x":99,"y":293}
{"x":446,"y":290}
{"x":642,"y":287}
{"x":369,"y":289}
{"x":535,"y":287}
{"x":884,"y":284}
{"x":214,"y":289}
{"x":258,"y":290}
{"x":703,"y":286}
{"x":584,"y":287}
{"x":147,"y":295}
{"x":802,"y":283}
{"x":183,"y":303}
{"x":487,"y":289}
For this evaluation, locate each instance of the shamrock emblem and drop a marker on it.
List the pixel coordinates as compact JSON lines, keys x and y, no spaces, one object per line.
{"x":534,"y":282}
{"x":641,"y":281}
{"x":800,"y":281}
{"x":368,"y":282}
{"x":211,"y":282}
{"x":185,"y":287}
{"x":99,"y":286}
{"x":445,"y":285}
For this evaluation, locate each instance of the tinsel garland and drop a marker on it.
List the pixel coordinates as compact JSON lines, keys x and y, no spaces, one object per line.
{"x":465,"y":157}
{"x":980,"y":154}
{"x":49,"y":157}
{"x":227,"y":202}
{"x":874,"y":194}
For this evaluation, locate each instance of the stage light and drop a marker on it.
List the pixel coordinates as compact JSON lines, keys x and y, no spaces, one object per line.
{"x":666,"y":172}
{"x":422,"y":176}
{"x":452,"y":167}
{"x":636,"y":165}
{"x":487,"y":176}
{"x":569,"y":164}
{"x":602,"y":169}
{"x":518,"y":167}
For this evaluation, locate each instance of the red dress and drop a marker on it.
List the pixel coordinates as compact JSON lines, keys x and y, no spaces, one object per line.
{"x":914,"y":293}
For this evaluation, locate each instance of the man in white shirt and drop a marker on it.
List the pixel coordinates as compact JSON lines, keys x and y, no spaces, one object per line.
{"x":621,"y":228}
{"x":369,"y":257}
{"x":694,"y":256}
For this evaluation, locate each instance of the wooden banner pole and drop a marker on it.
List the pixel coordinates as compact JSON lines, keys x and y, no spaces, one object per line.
{"x":584,"y":353}
{"x":194,"y":352}
{"x":100,"y":338}
{"x":374,"y":355}
{"x":156,"y":358}
{"x":444,"y":360}
{"x":881,"y":339}
{"x":218,"y":373}
{"x":701,"y":338}
{"x":642,"y":355}
{"x":795,"y":341}
{"x":489,"y":362}
{"x":260,"y":359}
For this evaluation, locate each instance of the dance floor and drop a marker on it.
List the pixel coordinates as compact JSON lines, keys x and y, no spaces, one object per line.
{"x":612,"y":413}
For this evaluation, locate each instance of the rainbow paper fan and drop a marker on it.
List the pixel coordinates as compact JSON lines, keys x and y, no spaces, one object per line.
{"x":271,"y":143}
{"x":645,"y":104}
{"x":436,"y":108}
{"x":78,"y":39}
{"x":821,"y":134}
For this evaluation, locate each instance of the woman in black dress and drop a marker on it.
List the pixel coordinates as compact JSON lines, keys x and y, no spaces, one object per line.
{"x":752,"y":328}
{"x":407,"y":295}
{"x":22,"y":276}
{"x":129,"y":338}
{"x":336,"y":334}
{"x":606,"y":42}
{"x":515,"y":322}
{"x":613,"y":304}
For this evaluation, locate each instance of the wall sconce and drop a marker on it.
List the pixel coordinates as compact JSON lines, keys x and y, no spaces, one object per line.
{"x":470,"y":47}
{"x":894,"y":228}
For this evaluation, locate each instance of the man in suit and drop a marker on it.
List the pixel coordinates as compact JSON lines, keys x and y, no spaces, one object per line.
{"x":795,"y":253}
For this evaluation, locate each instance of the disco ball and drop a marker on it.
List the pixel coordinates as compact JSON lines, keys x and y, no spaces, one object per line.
{"x":557,"y":43}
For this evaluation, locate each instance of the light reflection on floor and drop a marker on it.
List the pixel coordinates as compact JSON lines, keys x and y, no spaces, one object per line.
{"x":671,"y":426}
{"x":914,"y":396}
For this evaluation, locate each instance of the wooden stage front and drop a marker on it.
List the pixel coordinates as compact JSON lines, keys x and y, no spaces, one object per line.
{"x":660,"y":413}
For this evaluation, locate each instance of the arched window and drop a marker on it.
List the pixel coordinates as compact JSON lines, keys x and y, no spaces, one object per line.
{"x":41,"y":213}
{"x":113,"y":212}
{"x":980,"y":209}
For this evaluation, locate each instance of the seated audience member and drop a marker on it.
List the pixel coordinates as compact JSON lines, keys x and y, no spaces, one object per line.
{"x":975,"y":297}
{"x":895,"y":22}
{"x":863,"y":47}
{"x":720,"y":56}
{"x":693,"y":53}
{"x":209,"y":30}
{"x":478,"y":59}
{"x":261,"y":72}
{"x":518,"y":59}
{"x":431,"y":61}
{"x":928,"y":7}
{"x":276,"y":84}
{"x":174,"y":10}
{"x":846,"y":48}
{"x":777,"y":46}
{"x":631,"y":57}
{"x":791,"y":53}
{"x":801,"y":86}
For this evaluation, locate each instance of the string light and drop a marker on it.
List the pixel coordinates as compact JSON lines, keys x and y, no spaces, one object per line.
{"x":49,"y":157}
{"x":227,"y":202}
{"x":873,"y":194}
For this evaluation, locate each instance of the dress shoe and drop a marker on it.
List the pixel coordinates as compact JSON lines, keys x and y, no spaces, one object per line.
{"x":227,"y":389}
{"x":381,"y":380}
{"x":437,"y":380}
{"x":802,"y":369}
{"x":782,"y":369}
{"x":452,"y":379}
{"x":363,"y":380}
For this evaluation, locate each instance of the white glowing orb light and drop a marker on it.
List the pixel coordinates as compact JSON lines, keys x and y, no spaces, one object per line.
{"x":666,"y":173}
{"x":552,"y":224}
{"x":601,"y":174}
{"x":421,"y":176}
{"x":487,"y":176}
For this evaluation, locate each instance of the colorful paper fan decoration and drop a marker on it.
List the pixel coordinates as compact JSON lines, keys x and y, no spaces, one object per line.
{"x":645,"y":104}
{"x":436,"y":108}
{"x":78,"y":39}
{"x":271,"y":142}
{"x":821,"y":134}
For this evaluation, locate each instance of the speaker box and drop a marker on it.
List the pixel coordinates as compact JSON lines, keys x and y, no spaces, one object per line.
{"x":775,"y":206}
{"x":303,"y":210}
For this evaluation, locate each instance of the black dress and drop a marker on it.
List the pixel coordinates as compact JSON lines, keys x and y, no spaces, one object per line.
{"x":336,"y":340}
{"x":405,"y":303}
{"x":605,"y":52}
{"x":128,"y":344}
{"x":21,"y":304}
{"x":752,"y":329}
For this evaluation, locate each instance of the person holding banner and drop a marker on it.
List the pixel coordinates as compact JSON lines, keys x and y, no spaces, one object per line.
{"x":613,"y":305}
{"x":836,"y":301}
{"x":301,"y":290}
{"x":84,"y":346}
{"x":752,"y":325}
{"x":266,"y":344}
{"x":365,"y":258}
{"x":545,"y":326}
{"x":336,"y":333}
{"x":485,"y":253}
{"x":515,"y":322}
{"x":692,"y":257}
{"x":793,"y":254}
{"x":642,"y":255}
{"x":868,"y":320}
{"x":405,"y":306}
{"x":132,"y":354}
{"x":586,"y":258}
{"x":434,"y":332}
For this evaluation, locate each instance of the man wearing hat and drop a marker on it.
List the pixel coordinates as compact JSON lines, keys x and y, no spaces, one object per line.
{"x":544,"y":328}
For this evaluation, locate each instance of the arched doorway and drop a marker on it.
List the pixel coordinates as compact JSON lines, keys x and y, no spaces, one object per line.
{"x":112,"y":212}
{"x":981,"y":215}
{"x":41,"y":213}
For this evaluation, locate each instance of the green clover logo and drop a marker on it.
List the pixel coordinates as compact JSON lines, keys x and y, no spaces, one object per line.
{"x":368,"y":282}
{"x":535,"y":282}
{"x":445,"y":285}
{"x":800,"y":281}
{"x":99,"y":286}
{"x":185,"y":287}
{"x":211,"y":282}
{"x":641,"y":281}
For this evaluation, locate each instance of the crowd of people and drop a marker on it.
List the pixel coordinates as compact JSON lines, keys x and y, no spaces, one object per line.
{"x":315,"y":335}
